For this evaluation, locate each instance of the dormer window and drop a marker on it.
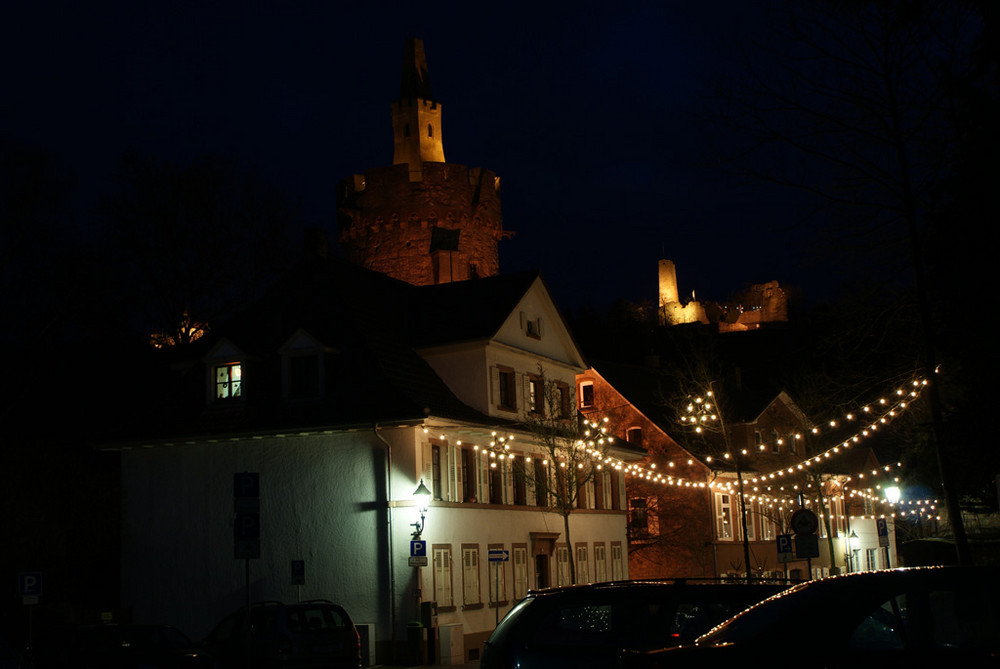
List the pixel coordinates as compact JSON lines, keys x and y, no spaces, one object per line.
{"x":303,"y":361}
{"x":303,"y":376}
{"x":228,"y":380}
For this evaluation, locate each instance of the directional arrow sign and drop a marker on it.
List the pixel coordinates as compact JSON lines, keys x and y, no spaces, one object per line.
{"x":498,"y":555}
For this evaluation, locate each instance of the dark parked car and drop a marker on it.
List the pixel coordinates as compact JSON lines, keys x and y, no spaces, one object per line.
{"x":315,"y":633}
{"x":116,"y":646}
{"x":926,"y":616}
{"x":589,"y":625}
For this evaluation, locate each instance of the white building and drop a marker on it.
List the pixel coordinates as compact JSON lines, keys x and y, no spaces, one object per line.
{"x":343,"y":389}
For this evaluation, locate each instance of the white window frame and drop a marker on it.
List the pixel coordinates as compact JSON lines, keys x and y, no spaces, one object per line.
{"x":617,"y":564}
{"x":562,"y":565}
{"x":724,"y":528}
{"x":582,"y":565}
{"x":498,"y":578}
{"x":471,"y":593}
{"x":443,"y":593}
{"x":520,"y":559}
{"x":600,"y":563}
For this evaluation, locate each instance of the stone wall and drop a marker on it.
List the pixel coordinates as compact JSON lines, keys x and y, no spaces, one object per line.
{"x":444,"y":227}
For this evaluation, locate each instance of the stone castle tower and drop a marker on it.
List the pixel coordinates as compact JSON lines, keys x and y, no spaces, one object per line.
{"x":421,"y":219}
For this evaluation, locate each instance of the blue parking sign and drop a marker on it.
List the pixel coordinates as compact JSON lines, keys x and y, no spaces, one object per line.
{"x":30,"y":583}
{"x":418,"y":548}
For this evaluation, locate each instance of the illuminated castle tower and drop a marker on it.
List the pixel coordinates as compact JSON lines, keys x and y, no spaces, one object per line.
{"x":421,"y":219}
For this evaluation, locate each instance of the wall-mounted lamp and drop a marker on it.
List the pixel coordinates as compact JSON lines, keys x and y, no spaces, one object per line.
{"x":423,"y":498}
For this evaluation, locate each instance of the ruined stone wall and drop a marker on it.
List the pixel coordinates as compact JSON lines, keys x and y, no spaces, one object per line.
{"x":387,"y":222}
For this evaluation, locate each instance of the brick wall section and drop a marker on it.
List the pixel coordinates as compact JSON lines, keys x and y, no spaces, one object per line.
{"x":682,"y":545}
{"x":386,"y":221}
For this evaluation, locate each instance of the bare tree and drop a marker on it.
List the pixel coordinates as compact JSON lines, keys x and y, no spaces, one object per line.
{"x":575,"y":452}
{"x":196,"y":242}
{"x":852,"y":104}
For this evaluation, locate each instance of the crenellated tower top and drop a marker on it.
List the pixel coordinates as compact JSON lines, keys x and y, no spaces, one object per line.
{"x":421,"y":220}
{"x":416,"y":117}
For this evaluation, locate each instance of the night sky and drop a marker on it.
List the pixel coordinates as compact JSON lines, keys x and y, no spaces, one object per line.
{"x":588,"y":113}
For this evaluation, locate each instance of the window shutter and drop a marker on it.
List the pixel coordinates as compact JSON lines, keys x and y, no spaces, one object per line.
{"x":494,"y":386}
{"x":508,"y":480}
{"x":428,"y":468}
{"x":455,"y":474}
{"x":519,"y":390}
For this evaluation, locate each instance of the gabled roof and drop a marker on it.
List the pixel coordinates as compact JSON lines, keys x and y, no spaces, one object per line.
{"x":466,"y":310}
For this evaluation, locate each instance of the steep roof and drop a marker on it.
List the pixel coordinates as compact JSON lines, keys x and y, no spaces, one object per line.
{"x":466,"y":310}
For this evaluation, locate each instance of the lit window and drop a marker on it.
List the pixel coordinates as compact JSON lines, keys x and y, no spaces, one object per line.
{"x":587,"y":394}
{"x":724,"y":516}
{"x":535,"y":394}
{"x":228,"y":380}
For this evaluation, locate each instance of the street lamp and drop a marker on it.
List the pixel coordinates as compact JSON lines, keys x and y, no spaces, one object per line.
{"x":423,"y":498}
{"x":852,"y":546}
{"x":892,"y":494}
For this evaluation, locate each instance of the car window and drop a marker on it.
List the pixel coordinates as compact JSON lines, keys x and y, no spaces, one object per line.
{"x":883,"y":628}
{"x":263,"y":622}
{"x":964,"y":619}
{"x":586,"y":625}
{"x":311,"y":619}
{"x":225,"y":630}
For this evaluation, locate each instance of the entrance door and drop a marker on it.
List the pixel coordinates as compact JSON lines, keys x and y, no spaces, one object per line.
{"x":541,"y":571}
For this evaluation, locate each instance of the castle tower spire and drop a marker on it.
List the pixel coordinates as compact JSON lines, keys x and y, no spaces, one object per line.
{"x":416,"y":117}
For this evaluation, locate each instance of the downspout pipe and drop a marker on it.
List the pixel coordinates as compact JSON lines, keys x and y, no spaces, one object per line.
{"x":392,"y":570}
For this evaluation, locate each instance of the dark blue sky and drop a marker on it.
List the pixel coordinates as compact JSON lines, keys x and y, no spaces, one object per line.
{"x":587,"y":112}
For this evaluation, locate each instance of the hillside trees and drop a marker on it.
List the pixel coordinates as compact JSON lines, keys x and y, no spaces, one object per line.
{"x":859,"y":106}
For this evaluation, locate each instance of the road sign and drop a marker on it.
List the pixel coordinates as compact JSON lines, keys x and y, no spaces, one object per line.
{"x":785,"y":549}
{"x":246,"y":485}
{"x":498,"y":555}
{"x":418,"y":548}
{"x":804,"y":521}
{"x":882,"y":527}
{"x":806,"y":546}
{"x":418,"y":561}
{"x":30,"y":585}
{"x":298,"y":572}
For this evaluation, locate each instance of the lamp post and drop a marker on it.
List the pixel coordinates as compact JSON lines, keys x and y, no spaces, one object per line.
{"x":892,"y":495}
{"x":423,"y":498}
{"x":852,"y":549}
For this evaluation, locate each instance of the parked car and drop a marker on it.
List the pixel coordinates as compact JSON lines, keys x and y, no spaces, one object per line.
{"x":114,"y":646}
{"x":589,"y":625}
{"x":11,"y":657}
{"x":925,"y":616}
{"x":315,"y":633}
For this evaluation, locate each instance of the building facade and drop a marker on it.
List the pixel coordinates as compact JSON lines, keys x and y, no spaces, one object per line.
{"x":342,"y":391}
{"x":717,"y":507}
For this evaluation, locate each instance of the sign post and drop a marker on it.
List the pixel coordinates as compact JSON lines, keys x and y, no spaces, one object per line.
{"x":497,"y":556}
{"x":882,"y":528}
